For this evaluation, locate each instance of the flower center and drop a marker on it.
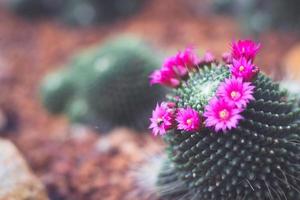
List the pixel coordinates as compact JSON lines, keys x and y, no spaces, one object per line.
{"x":189,"y":121}
{"x":235,"y":95}
{"x":224,"y":114}
{"x":159,"y":121}
{"x":241,"y":68}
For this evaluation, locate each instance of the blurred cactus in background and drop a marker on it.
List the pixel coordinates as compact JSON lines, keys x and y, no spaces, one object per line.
{"x":106,"y":86}
{"x":77,"y":12}
{"x":36,"y":8}
{"x":85,"y":12}
{"x":256,"y":16}
{"x":231,"y":132}
{"x":57,"y":91}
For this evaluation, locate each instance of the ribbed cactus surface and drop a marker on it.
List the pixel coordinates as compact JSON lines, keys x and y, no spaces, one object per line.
{"x":258,"y":160}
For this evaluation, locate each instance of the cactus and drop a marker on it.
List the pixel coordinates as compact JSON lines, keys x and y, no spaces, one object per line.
{"x":34,"y":9}
{"x":256,"y":16}
{"x":106,"y":86}
{"x":57,"y":91}
{"x":256,"y":158}
{"x":86,"y":12}
{"x":77,"y":12}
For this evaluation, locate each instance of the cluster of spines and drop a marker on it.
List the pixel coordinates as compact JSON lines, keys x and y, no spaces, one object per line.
{"x":208,"y":73}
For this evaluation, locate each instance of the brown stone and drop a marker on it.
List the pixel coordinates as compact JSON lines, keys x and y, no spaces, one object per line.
{"x":17,"y":180}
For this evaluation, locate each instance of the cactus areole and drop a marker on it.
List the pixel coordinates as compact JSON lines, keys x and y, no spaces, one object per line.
{"x":232,"y":133}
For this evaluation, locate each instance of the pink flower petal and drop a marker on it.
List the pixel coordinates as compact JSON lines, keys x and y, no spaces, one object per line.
{"x":188,"y":120}
{"x":244,"y":49}
{"x":243,"y":68}
{"x":235,"y":91}
{"x":222,"y":115}
{"x":162,"y":119}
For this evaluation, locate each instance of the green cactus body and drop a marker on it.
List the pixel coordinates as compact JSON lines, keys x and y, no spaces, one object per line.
{"x":111,"y":85}
{"x":257,"y":160}
{"x":56,"y":91}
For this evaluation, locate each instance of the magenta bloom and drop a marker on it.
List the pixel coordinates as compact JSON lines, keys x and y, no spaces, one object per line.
{"x":165,"y":76}
{"x":172,"y":63}
{"x":208,"y":58}
{"x":245,"y":49}
{"x":222,"y":115}
{"x":227,"y":58}
{"x":174,"y":68}
{"x":187,"y":58}
{"x":243,"y":69}
{"x":169,"y":104}
{"x":161,"y":120}
{"x":236,"y":91}
{"x":188,"y":119}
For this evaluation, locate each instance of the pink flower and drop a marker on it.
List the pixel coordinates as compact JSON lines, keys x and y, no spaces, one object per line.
{"x":236,"y":91}
{"x":169,"y":104}
{"x":227,"y":58}
{"x":165,"y":76}
{"x":187,"y":58}
{"x":245,"y":48}
{"x":161,"y":120}
{"x":243,"y":69}
{"x":188,"y":119}
{"x":174,"y":68}
{"x":172,"y":63}
{"x":222,"y":115}
{"x":208,"y":58}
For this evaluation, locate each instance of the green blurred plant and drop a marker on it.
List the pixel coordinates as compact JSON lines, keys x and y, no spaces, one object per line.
{"x":36,"y":8}
{"x":77,"y":12}
{"x":85,"y":12}
{"x":106,"y":86}
{"x":243,"y":163}
{"x":231,"y":131}
{"x":256,"y":16}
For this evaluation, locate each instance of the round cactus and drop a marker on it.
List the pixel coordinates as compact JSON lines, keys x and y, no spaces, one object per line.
{"x":76,"y":12}
{"x":86,"y":12}
{"x":257,"y":16}
{"x":245,"y":138}
{"x":33,"y":8}
{"x":56,"y":91}
{"x":106,"y":86}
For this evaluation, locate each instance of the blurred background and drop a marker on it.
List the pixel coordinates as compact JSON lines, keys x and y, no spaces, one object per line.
{"x":75,"y":98}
